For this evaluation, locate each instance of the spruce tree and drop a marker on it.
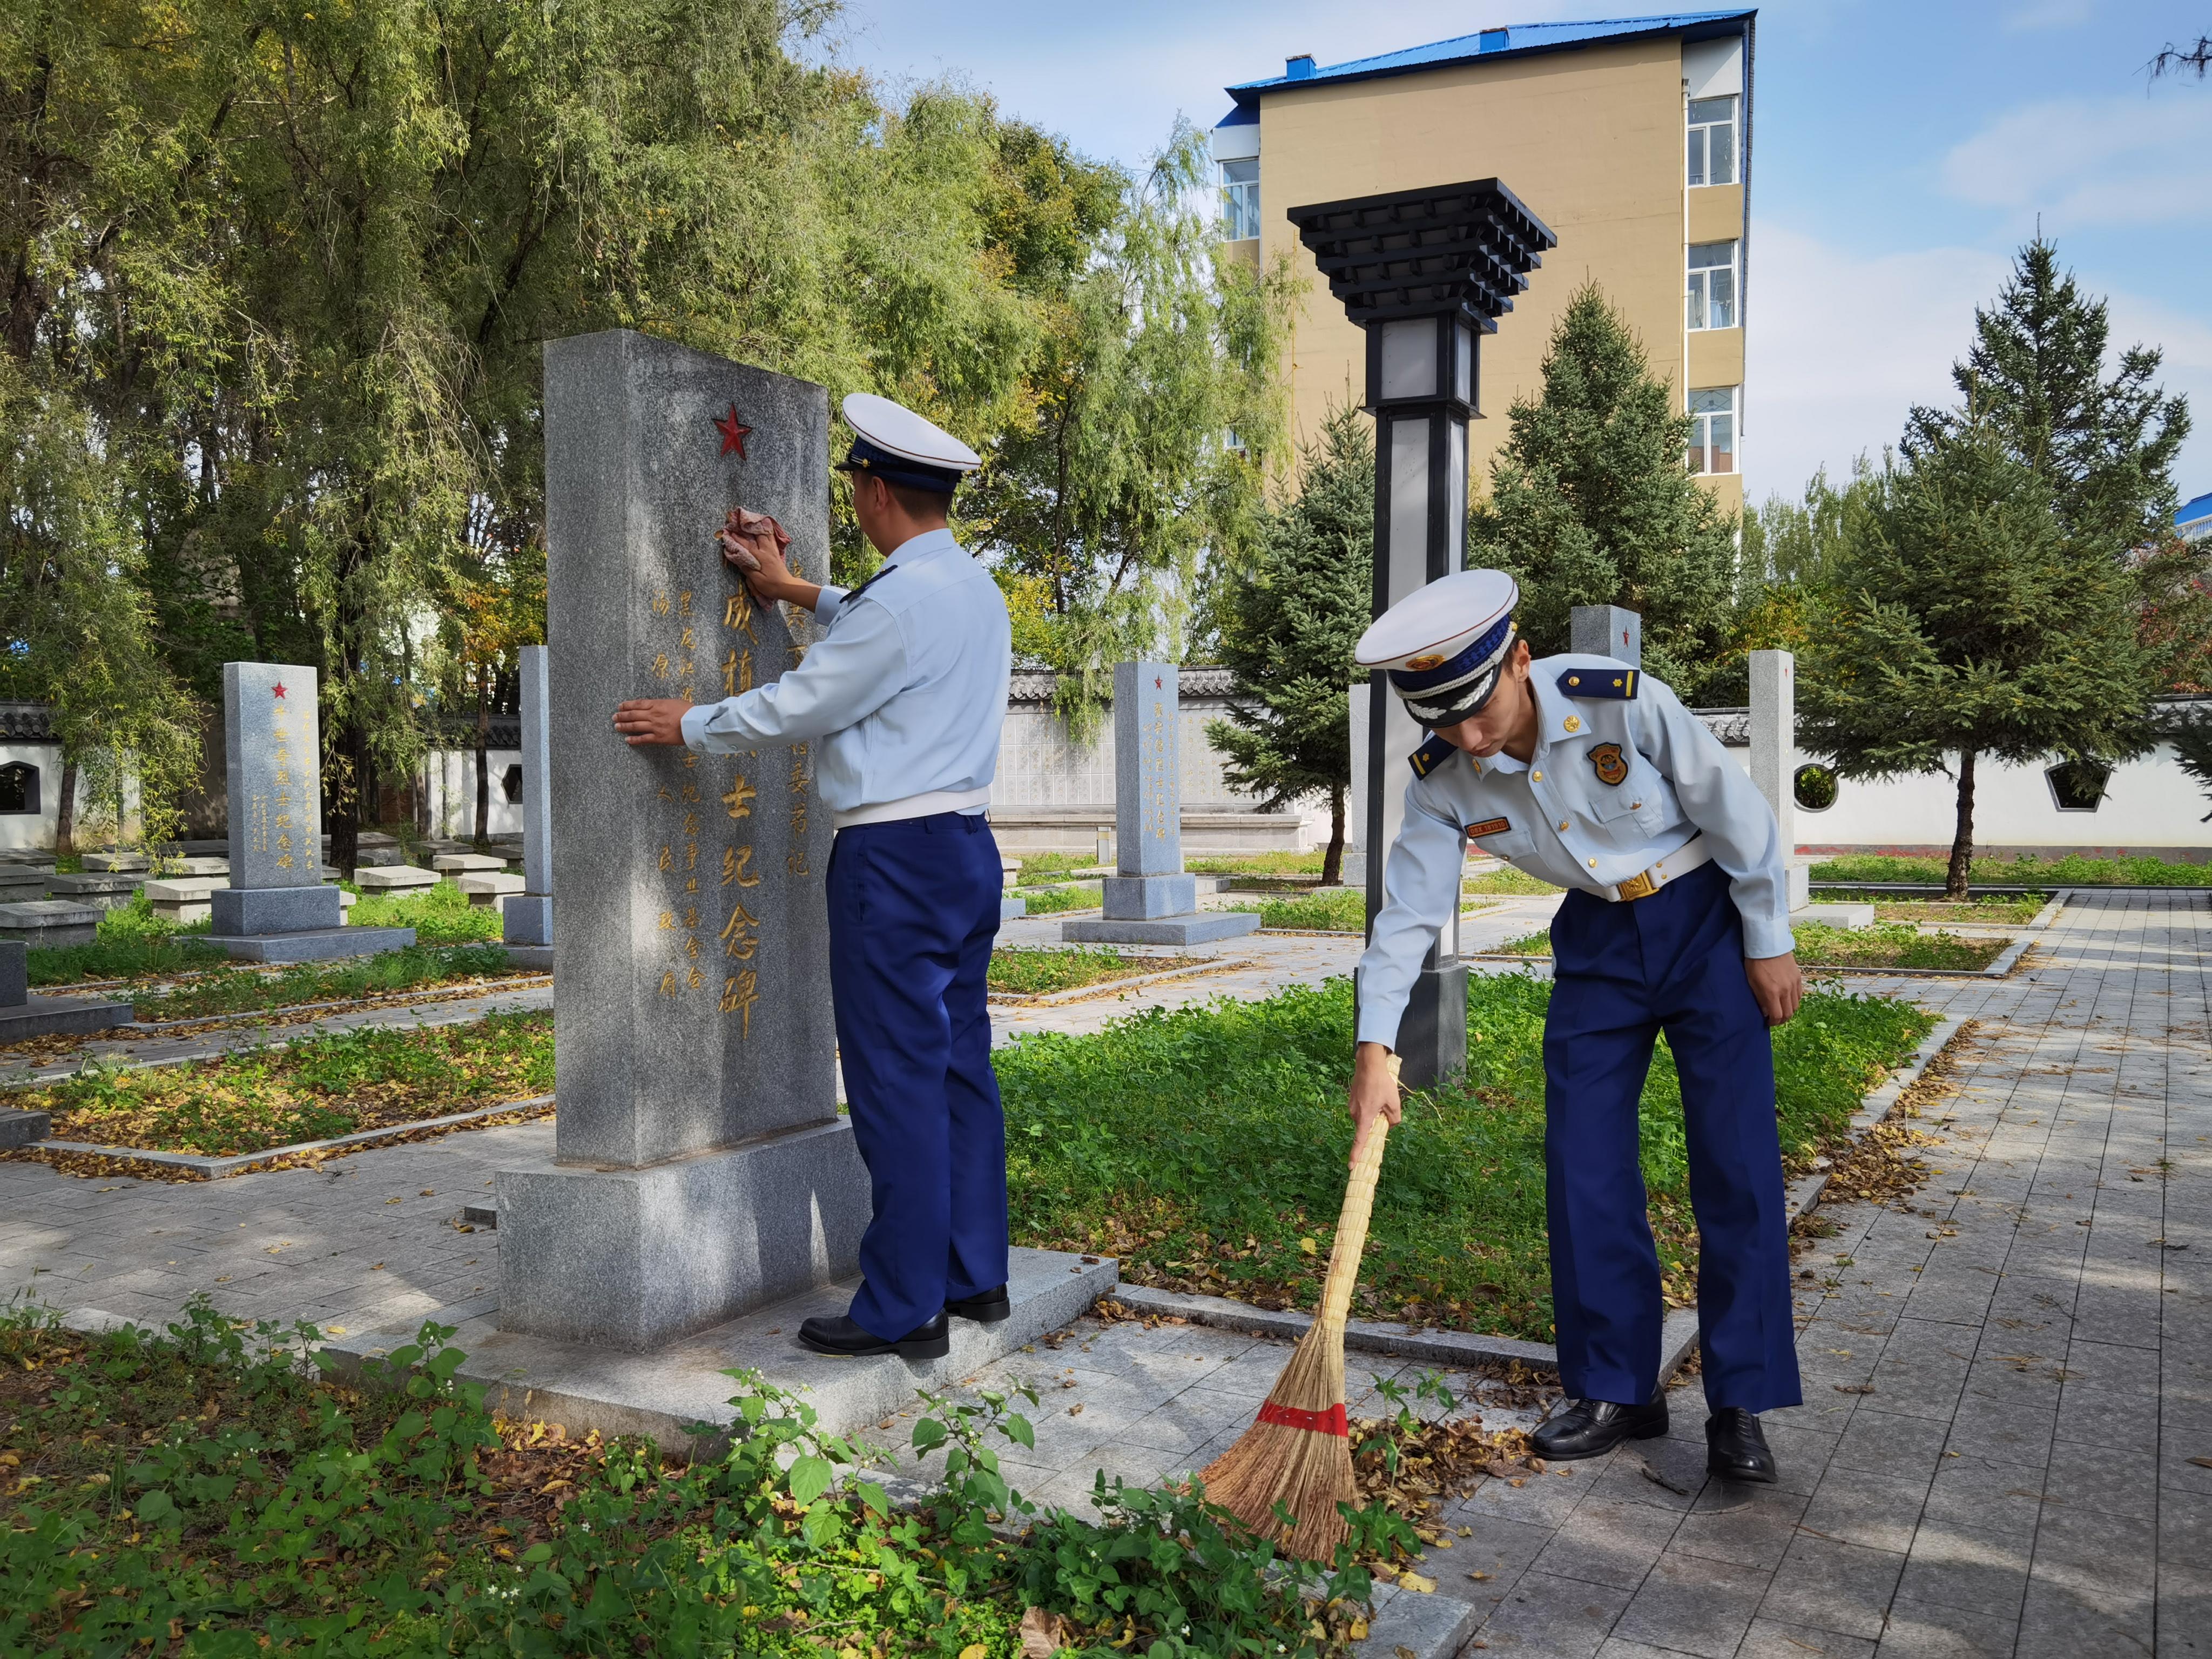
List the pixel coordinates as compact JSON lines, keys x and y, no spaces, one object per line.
{"x":1290,"y":619}
{"x":1591,"y":502}
{"x":1966,"y":621}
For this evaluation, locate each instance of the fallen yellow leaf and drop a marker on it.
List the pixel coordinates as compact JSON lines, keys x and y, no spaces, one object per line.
{"x":1413,"y":1581}
{"x":975,"y":1650}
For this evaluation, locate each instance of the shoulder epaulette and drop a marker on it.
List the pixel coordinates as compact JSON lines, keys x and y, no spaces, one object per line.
{"x":881,"y":571}
{"x":1618,"y":683}
{"x":1430,"y":755}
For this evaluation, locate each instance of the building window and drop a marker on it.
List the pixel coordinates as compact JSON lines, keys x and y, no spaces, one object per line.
{"x":1712,"y":430}
{"x":19,"y":787}
{"x":1712,"y":141}
{"x":2078,"y":785}
{"x":1712,"y":285}
{"x":1240,"y":199}
{"x":1815,"y":787}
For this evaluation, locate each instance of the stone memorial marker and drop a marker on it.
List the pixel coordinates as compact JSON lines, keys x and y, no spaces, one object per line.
{"x":1774,"y":769}
{"x":701,"y":1168}
{"x":528,"y":929}
{"x":22,"y":1015}
{"x":1150,"y":901}
{"x":277,"y":908}
{"x":1606,"y":630}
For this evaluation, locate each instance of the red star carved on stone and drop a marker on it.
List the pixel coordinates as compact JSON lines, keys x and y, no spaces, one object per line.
{"x":733,"y":432}
{"x":1158,"y":683}
{"x":280,"y":687}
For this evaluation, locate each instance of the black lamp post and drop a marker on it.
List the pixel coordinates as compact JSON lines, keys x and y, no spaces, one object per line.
{"x":1426,"y":273}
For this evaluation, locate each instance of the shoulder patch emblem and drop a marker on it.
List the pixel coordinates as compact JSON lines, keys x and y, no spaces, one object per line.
{"x":1618,"y":684}
{"x":1430,"y":755}
{"x":1488,"y":827}
{"x":1611,"y":768}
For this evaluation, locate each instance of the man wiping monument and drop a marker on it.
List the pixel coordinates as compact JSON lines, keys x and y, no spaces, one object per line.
{"x":905,"y":694}
{"x":1588,"y":773}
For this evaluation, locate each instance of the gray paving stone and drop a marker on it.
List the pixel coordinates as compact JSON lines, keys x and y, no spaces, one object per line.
{"x":1768,"y":1638}
{"x":1917,"y":1631}
{"x":1609,"y":1542}
{"x":1857,"y":1506}
{"x":1549,"y":1618}
{"x":1834,"y":1586}
{"x":1692,"y":1605}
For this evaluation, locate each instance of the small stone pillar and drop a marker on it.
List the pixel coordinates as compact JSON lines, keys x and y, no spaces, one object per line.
{"x":1774,"y":755}
{"x":1606,"y":630}
{"x":528,"y":929}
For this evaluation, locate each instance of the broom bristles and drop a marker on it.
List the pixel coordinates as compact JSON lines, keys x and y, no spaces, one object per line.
{"x":1299,"y":1454}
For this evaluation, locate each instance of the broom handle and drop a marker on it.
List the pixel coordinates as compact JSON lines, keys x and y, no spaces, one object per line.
{"x":1352,"y":1226}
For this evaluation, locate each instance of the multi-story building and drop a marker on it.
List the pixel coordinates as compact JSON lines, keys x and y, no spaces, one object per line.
{"x":1630,"y":138}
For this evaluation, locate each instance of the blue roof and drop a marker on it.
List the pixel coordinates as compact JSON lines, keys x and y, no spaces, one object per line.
{"x":1516,"y":39}
{"x":2193,"y":511}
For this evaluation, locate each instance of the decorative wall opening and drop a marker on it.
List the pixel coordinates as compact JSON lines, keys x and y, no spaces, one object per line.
{"x":1814,"y":786}
{"x":19,"y":787}
{"x":510,"y":782}
{"x":2078,"y":786}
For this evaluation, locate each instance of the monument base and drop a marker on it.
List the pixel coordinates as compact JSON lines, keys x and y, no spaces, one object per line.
{"x":53,"y":1016}
{"x":529,"y":920}
{"x":1834,"y":915}
{"x":23,"y":1128}
{"x":1201,"y":927}
{"x":313,"y":944}
{"x":1432,"y":1034}
{"x":1799,"y":872}
{"x":634,"y":1259}
{"x":1012,"y":905}
{"x":1142,"y":898}
{"x":539,"y":957}
{"x":658,"y":1394}
{"x":275,"y":909}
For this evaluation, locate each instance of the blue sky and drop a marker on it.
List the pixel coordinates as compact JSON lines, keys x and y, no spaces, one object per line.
{"x":1903,"y":152}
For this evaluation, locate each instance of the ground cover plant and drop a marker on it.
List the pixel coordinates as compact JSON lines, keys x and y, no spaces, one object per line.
{"x":239,"y":989}
{"x":1344,"y":911}
{"x":330,"y":1084}
{"x":1505,"y":879}
{"x":130,"y":942}
{"x":2074,"y":870}
{"x":440,"y":915}
{"x":1255,"y":863}
{"x":1885,"y":944}
{"x":1999,"y":909}
{"x":1051,"y":901}
{"x":211,"y":1490}
{"x":1051,"y":866}
{"x":1206,"y":1146}
{"x":1039,"y":973}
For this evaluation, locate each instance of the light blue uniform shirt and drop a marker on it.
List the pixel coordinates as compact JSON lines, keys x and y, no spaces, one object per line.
{"x":906,"y":691}
{"x":1558,"y":817}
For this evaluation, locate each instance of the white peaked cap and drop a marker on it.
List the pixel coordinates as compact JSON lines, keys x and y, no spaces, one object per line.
{"x":899,"y":431}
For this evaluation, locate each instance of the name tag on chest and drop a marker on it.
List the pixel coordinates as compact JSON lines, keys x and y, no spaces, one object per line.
{"x":1488,"y":827}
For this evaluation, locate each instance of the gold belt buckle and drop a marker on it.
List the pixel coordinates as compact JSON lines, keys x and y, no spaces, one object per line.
{"x":1640,"y":885}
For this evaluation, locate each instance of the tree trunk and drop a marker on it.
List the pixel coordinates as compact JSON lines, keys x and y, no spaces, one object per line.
{"x":483,"y":755}
{"x":1332,"y":863}
{"x":65,"y":811}
{"x":1962,"y":840}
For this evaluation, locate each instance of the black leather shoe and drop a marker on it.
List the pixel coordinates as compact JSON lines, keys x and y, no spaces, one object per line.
{"x":841,"y":1335}
{"x":985,"y":1307}
{"x":1590,"y":1428}
{"x":1736,"y":1447}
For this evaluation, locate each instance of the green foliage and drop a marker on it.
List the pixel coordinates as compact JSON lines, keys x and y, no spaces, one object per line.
{"x":219,"y":1489}
{"x":1204,"y":1147}
{"x":1053,"y":901}
{"x":440,"y":915}
{"x":2073,"y":870}
{"x":1885,"y":944}
{"x":1590,"y":504}
{"x":130,"y":942}
{"x":1324,"y":912}
{"x":238,"y":987}
{"x":1291,"y":618}
{"x":2191,"y":738}
{"x":1038,"y":973}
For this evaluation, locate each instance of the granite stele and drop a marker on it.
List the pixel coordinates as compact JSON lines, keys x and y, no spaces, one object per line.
{"x":278,"y":907}
{"x":528,"y":925}
{"x":22,"y":1015}
{"x":701,"y":1168}
{"x":1151,"y":901}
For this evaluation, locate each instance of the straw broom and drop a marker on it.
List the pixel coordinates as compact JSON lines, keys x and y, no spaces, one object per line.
{"x":1299,"y":1453}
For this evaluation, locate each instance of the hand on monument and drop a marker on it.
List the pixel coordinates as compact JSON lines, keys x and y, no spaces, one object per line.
{"x":645,"y":720}
{"x":1374,"y":1091}
{"x":752,"y":545}
{"x":1777,"y":983}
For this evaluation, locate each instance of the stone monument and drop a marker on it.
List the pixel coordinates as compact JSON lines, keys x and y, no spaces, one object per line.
{"x":701,"y":1169}
{"x":22,"y":1015}
{"x":1150,"y":901}
{"x":278,"y":907}
{"x":1774,"y":769}
{"x":528,"y":929}
{"x":1606,"y":630}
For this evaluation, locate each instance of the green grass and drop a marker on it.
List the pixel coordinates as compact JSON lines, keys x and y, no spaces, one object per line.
{"x":331,"y":1085}
{"x":1323,"y":913}
{"x":238,"y":988}
{"x":1051,"y":901}
{"x":1506,"y":879}
{"x":212,"y":1490}
{"x":2071,"y":870}
{"x":1052,"y":867}
{"x":440,"y":915}
{"x":1206,"y":1147}
{"x":1039,"y":973}
{"x":1985,"y":909}
{"x":1885,"y":944}
{"x":130,"y":942}
{"x":1257,"y":864}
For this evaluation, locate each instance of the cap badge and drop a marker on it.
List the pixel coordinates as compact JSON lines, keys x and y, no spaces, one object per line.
{"x":1611,"y":768}
{"x":1422,"y":664}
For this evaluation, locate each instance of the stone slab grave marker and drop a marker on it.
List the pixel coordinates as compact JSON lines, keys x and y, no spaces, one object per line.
{"x":1150,"y":901}
{"x":1774,"y":769}
{"x":701,"y":1168}
{"x":22,"y":1015}
{"x":277,"y":908}
{"x":528,"y":927}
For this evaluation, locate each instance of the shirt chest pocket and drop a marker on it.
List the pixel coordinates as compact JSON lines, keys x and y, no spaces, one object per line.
{"x":1637,"y":806}
{"x":1500,"y":838}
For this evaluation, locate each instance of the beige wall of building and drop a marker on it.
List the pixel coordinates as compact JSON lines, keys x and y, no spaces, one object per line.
{"x":1591,"y":139}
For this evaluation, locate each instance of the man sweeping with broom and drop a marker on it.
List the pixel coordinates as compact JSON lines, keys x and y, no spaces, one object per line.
{"x":1590,"y":775}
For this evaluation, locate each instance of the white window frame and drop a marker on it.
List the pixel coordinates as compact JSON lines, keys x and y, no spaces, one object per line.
{"x":1240,"y":200}
{"x":1703,"y":300}
{"x":1701,"y":420}
{"x":1698,"y":143}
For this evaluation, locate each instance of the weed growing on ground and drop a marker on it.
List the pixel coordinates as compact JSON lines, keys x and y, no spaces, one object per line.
{"x":1051,"y":901}
{"x":1039,"y":973}
{"x":440,"y":915}
{"x":242,"y":988}
{"x":130,"y":942}
{"x":2073,"y":870}
{"x":1885,"y":944}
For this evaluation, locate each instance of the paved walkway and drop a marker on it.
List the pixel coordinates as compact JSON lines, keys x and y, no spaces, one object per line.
{"x":2033,"y":1336}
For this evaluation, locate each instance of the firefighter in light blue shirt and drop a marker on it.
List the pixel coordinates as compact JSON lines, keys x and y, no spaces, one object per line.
{"x":905,"y":696}
{"x":1591,"y":774}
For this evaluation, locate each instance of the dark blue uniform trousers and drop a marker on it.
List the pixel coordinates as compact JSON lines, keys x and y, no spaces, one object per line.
{"x":1623,"y":973}
{"x":913,"y":907}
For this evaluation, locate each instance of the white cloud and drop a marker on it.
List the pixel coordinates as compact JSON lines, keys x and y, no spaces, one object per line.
{"x":2133,"y":160}
{"x":1842,"y":344}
